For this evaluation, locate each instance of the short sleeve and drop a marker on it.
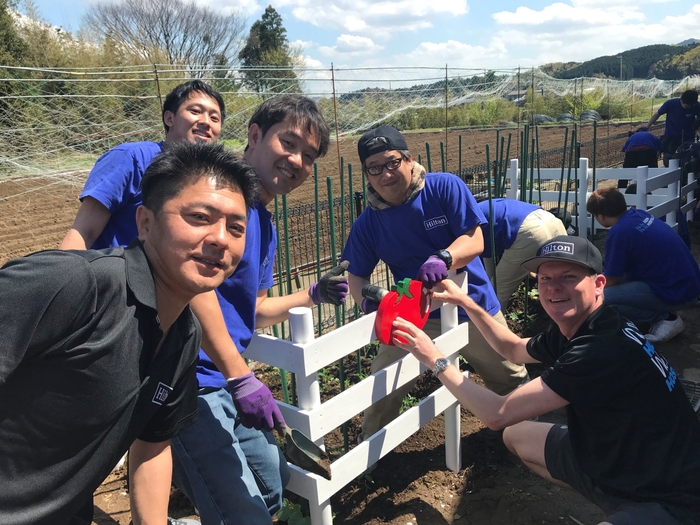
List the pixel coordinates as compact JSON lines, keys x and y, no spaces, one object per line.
{"x":459,"y":202}
{"x":359,"y":250}
{"x":266,"y":274}
{"x":112,"y":180}
{"x":546,"y":346}
{"x":44,"y":299}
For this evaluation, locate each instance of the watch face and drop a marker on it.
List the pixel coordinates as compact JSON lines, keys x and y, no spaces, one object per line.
{"x":446,"y":257}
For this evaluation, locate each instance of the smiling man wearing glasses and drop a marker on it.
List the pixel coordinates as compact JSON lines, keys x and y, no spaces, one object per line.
{"x":420,"y":225}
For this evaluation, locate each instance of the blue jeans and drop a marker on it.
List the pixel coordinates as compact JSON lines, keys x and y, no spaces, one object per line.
{"x":231,"y":473}
{"x":635,"y":301}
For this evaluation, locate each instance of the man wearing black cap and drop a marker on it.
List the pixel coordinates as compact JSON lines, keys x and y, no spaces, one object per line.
{"x":631,"y":443}
{"x":420,"y":225}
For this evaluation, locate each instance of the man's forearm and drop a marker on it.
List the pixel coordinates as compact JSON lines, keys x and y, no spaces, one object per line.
{"x":150,"y":477}
{"x":216,"y":341}
{"x":499,"y":337}
{"x":465,"y":247}
{"x":273,"y":310}
{"x":652,"y":120}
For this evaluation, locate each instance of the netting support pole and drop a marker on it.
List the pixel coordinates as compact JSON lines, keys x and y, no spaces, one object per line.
{"x":155,"y":75}
{"x":446,"y":117}
{"x":335,"y":117}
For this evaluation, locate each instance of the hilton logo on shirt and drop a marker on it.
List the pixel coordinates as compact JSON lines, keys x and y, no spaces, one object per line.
{"x":162,"y":393}
{"x":435,"y":222}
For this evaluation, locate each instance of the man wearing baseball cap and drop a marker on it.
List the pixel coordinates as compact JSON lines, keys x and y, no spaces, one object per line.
{"x":420,"y":225}
{"x":631,"y":440}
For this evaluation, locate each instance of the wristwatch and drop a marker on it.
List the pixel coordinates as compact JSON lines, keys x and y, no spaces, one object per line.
{"x":440,"y":365}
{"x":445,"y":257}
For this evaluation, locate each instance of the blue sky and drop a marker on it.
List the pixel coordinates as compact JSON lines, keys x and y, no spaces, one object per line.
{"x":500,"y":34}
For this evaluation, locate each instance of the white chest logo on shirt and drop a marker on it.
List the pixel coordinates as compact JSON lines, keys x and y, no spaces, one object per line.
{"x":435,"y":222}
{"x":162,"y":393}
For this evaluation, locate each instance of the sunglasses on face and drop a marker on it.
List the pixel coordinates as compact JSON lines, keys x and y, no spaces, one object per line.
{"x":392,"y":165}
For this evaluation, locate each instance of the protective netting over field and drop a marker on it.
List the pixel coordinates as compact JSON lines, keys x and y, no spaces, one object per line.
{"x":55,"y":120}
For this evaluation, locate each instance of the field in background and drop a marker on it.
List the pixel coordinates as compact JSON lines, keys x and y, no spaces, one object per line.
{"x":36,"y":211}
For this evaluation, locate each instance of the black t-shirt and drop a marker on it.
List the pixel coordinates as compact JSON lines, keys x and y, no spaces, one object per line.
{"x":79,"y":376}
{"x":631,"y":426}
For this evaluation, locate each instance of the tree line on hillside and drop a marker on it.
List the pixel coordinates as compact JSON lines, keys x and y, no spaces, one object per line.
{"x":666,"y":62}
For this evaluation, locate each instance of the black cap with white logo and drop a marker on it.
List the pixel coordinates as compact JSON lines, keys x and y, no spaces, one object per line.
{"x":383,"y":138}
{"x":569,"y":248}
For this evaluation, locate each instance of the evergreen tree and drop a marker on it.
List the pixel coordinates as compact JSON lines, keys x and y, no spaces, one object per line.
{"x":12,"y":47}
{"x":268,"y":56}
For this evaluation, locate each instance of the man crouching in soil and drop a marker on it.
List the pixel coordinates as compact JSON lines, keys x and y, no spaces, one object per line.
{"x":98,"y":348}
{"x":632,"y":443}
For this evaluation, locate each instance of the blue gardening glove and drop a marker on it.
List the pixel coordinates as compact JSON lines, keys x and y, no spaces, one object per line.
{"x":432,"y":271}
{"x":255,"y":404}
{"x":368,"y":306}
{"x":332,"y":288}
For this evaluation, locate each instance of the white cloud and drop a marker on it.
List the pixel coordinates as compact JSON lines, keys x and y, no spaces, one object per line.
{"x":587,"y":29}
{"x":245,"y":7}
{"x":383,"y":18}
{"x":559,"y":13}
{"x":351,"y":46}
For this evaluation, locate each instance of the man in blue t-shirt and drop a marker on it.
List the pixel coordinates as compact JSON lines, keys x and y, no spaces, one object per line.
{"x":518,"y":229}
{"x":228,"y":463}
{"x":193,"y":111}
{"x":649,"y":270}
{"x":682,"y":121}
{"x":420,"y":225}
{"x":630,"y":444}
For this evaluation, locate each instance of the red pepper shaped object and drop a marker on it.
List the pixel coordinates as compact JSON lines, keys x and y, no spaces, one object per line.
{"x":407,"y":299}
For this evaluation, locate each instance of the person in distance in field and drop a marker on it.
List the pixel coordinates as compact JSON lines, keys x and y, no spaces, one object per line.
{"x":682,"y":121}
{"x":630,"y":444}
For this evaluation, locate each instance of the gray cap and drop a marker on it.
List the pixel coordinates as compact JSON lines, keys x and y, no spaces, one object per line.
{"x":568,"y":248}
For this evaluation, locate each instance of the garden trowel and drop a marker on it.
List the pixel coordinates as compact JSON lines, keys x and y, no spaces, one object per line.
{"x":304,"y":453}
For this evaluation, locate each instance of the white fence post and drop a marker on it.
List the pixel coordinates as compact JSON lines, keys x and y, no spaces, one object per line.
{"x":581,"y":219}
{"x":301,"y":324}
{"x":513,"y":173}
{"x":642,"y":176}
{"x":453,"y":433}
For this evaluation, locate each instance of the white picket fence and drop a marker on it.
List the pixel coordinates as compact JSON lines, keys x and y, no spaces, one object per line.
{"x":659,"y":190}
{"x":305,"y":356}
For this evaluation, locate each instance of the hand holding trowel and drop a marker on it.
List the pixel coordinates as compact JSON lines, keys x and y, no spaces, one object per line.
{"x":258,"y":409}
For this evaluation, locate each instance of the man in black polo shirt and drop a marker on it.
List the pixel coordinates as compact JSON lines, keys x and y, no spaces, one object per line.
{"x":631,"y":443}
{"x":99,"y":347}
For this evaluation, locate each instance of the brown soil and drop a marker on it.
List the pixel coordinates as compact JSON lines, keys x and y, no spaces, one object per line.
{"x":411,"y":484}
{"x":36,"y":212}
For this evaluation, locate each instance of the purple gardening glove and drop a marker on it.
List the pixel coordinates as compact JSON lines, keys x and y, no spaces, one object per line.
{"x":368,"y":306}
{"x":432,"y":271}
{"x":255,"y":404}
{"x":332,"y":288}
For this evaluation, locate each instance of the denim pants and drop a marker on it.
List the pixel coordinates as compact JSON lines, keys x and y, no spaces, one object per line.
{"x":635,"y":301}
{"x":231,"y":473}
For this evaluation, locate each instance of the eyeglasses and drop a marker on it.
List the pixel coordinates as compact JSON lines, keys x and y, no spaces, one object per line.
{"x":392,"y":165}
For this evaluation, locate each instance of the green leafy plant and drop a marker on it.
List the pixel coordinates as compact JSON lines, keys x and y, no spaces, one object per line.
{"x":292,"y":514}
{"x":408,"y":402}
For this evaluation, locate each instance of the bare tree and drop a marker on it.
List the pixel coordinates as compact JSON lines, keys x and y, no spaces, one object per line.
{"x":178,"y":31}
